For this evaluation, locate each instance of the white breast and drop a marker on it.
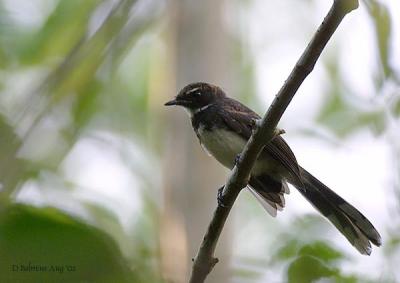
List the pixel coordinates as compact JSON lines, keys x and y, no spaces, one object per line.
{"x":222,"y":144}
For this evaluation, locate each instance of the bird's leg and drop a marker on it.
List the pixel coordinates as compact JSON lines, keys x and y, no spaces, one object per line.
{"x":220,"y":197}
{"x":237,"y":158}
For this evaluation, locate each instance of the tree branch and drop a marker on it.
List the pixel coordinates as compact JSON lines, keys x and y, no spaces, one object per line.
{"x":263,"y":133}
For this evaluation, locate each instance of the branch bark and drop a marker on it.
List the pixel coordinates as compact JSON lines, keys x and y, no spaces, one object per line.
{"x":263,"y":133}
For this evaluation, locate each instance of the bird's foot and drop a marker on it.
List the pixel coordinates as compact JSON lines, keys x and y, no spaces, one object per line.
{"x":220,"y":197}
{"x":237,"y":158}
{"x":256,"y":123}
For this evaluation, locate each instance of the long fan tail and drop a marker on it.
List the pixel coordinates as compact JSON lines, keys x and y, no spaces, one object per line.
{"x":346,"y":218}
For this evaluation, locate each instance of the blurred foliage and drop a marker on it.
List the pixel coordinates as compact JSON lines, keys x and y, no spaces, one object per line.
{"x":58,"y":35}
{"x":381,"y":19}
{"x":10,"y":164}
{"x":341,"y":106}
{"x":73,"y":88}
{"x":66,"y":249}
{"x":304,"y":253}
{"x":308,"y":258}
{"x":85,"y":71}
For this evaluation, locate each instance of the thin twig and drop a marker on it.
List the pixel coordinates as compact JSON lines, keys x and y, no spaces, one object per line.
{"x":263,"y":133}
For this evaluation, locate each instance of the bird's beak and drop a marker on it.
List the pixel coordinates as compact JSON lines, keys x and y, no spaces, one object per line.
{"x":172,"y":102}
{"x":179,"y":102}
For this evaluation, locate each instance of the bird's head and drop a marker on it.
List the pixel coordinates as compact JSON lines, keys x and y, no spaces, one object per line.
{"x":196,"y":96}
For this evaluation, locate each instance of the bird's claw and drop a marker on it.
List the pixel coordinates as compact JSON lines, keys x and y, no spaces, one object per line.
{"x":237,"y":158}
{"x":220,"y":197}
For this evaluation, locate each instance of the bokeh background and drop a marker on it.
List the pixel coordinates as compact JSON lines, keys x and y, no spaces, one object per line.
{"x":101,"y":183}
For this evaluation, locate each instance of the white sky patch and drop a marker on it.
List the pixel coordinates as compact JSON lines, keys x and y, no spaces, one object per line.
{"x":359,"y":170}
{"x":31,"y":13}
{"x":358,"y":53}
{"x":48,"y":190}
{"x":104,"y":179}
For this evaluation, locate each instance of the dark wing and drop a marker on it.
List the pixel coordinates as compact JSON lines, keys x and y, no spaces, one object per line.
{"x":281,"y":152}
{"x":239,"y":118}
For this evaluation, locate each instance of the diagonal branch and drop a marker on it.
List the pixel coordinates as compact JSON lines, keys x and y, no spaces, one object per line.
{"x":263,"y":133}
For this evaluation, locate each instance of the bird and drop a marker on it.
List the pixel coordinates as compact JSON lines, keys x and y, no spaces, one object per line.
{"x":223,"y":126}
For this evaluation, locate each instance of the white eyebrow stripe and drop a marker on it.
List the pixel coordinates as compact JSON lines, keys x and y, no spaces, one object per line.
{"x":193,"y":90}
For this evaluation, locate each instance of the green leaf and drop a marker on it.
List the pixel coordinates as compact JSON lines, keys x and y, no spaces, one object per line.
{"x":288,"y":250}
{"x":12,"y":168}
{"x":396,"y":106}
{"x":322,"y":251}
{"x":62,"y":30}
{"x":45,"y":245}
{"x":337,"y":109}
{"x":383,"y":28}
{"x":305,"y":269}
{"x":86,"y":104}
